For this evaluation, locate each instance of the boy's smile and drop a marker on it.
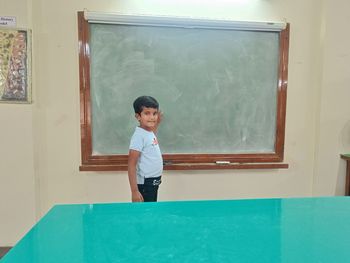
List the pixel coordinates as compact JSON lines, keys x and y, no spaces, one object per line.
{"x":148,"y":118}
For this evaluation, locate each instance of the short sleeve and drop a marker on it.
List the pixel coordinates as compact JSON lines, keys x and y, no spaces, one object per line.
{"x":136,"y":142}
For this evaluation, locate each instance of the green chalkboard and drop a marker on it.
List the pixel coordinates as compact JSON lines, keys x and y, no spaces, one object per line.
{"x":222,"y":89}
{"x":216,"y":88}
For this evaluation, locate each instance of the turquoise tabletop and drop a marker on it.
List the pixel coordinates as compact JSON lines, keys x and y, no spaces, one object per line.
{"x":291,"y":230}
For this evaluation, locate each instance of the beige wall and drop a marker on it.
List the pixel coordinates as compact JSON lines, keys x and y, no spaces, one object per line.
{"x":40,"y":160}
{"x":17,"y":183}
{"x":333,"y":127}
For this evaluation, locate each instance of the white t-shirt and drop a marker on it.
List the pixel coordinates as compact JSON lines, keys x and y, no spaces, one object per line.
{"x":150,"y":163}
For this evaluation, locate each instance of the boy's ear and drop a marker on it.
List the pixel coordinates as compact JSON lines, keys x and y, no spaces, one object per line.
{"x":137,"y":116}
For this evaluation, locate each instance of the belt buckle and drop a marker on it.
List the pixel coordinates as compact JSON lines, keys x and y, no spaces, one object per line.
{"x":156,"y":182}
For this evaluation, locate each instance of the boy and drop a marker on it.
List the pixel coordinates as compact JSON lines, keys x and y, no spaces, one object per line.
{"x":145,"y":163}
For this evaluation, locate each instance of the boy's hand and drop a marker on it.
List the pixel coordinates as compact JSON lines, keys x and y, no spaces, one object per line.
{"x":160,"y":117}
{"x":136,"y":196}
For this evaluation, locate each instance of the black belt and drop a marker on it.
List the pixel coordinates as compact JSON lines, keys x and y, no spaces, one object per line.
{"x":153,"y":181}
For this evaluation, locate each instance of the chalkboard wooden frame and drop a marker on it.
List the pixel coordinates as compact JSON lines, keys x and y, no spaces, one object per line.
{"x":92,"y":162}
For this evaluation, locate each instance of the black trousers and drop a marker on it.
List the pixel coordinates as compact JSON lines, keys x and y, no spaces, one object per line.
{"x":149,"y":190}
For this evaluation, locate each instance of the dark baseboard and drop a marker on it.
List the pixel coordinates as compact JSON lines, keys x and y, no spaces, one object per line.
{"x":4,"y":250}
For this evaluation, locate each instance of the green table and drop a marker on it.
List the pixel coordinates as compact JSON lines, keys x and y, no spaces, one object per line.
{"x":292,"y":230}
{"x":346,"y":157}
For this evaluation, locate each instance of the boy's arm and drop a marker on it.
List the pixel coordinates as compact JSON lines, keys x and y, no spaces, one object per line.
{"x":132,"y":162}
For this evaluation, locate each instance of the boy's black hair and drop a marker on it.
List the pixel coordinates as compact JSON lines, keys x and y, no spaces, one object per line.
{"x":145,"y":101}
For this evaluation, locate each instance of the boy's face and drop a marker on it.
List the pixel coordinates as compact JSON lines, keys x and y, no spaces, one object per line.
{"x":148,"y":118}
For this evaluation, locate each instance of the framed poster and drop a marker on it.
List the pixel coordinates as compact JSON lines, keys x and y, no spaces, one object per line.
{"x":15,"y":65}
